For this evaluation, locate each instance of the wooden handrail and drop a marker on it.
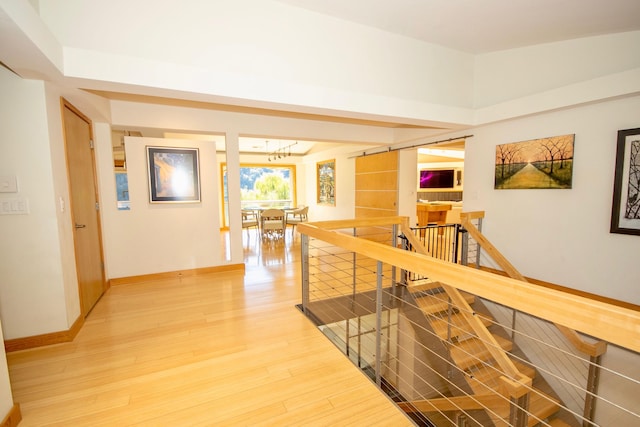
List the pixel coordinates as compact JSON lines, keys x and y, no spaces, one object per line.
{"x":471,"y":215}
{"x":591,"y":349}
{"x":363,"y":222}
{"x":490,"y":249}
{"x":617,"y":325}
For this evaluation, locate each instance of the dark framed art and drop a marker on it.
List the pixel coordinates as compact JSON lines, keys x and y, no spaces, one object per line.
{"x":625,"y":213}
{"x":174,"y":175}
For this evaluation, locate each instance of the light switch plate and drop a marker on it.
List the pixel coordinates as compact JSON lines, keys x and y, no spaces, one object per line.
{"x":14,"y":206}
{"x":8,"y":184}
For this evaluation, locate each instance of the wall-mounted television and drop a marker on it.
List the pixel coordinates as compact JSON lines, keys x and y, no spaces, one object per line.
{"x":437,"y":178}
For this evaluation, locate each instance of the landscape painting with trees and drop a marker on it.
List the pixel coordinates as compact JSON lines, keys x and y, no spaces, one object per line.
{"x":538,"y":163}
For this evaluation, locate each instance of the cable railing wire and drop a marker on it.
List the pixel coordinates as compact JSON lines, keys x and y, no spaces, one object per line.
{"x":336,"y":273}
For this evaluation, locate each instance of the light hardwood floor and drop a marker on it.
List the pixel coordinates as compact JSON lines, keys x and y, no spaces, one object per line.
{"x":222,"y":349}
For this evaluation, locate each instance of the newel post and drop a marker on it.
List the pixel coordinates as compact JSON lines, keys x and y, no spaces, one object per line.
{"x":518,"y":391}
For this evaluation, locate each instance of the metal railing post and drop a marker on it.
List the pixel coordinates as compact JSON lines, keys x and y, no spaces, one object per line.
{"x":404,"y":274}
{"x":478,"y":248}
{"x":519,"y":414}
{"x":304,"y":249}
{"x":394,"y":243}
{"x":347,"y":338}
{"x":464,"y":250}
{"x":353,"y":267}
{"x":593,"y":379}
{"x":379,"y":324}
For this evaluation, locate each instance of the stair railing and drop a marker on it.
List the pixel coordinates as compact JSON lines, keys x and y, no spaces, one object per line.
{"x":594,"y":350}
{"x":516,"y":384}
{"x":614,"y":324}
{"x":430,"y":247}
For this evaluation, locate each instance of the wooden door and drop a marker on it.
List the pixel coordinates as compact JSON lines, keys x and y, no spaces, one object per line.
{"x":377,"y":185}
{"x":84,"y":206}
{"x":376,"y":192}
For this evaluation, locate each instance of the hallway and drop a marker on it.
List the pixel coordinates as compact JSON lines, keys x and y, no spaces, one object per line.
{"x":217,"y":349}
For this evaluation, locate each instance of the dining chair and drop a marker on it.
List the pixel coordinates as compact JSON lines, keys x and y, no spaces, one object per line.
{"x":249,"y":219}
{"x":297,"y":216}
{"x":272,"y":223}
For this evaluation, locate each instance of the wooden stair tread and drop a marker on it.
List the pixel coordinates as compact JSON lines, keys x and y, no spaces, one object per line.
{"x":540,"y":404}
{"x":423,"y":285}
{"x":471,"y":355}
{"x":459,"y":325}
{"x":557,"y":422}
{"x":437,"y":303}
{"x":473,"y":352}
{"x":481,"y":377}
{"x":541,"y":407}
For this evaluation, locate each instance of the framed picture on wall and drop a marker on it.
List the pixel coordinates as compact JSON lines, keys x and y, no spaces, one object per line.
{"x":544,"y":163}
{"x":174,"y":175}
{"x":625,"y":214}
{"x":326,"y":182}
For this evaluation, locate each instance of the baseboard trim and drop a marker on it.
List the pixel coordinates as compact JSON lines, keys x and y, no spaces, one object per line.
{"x":13,"y":418}
{"x":44,"y":339}
{"x":173,"y":274}
{"x":68,"y":336}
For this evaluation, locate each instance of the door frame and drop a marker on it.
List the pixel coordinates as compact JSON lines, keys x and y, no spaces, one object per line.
{"x":66,"y":104}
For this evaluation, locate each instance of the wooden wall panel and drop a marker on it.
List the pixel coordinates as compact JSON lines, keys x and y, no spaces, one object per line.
{"x":371,"y":213}
{"x":376,"y":185}
{"x":377,"y":199}
{"x":377,"y":162}
{"x":384,"y":180}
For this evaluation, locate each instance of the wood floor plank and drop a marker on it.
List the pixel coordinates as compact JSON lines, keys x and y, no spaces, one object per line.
{"x":224,"y":349}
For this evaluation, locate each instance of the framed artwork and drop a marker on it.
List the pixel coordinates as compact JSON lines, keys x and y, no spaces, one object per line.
{"x":326,"y":182}
{"x":538,"y":163}
{"x":174,"y":175}
{"x":625,"y":213}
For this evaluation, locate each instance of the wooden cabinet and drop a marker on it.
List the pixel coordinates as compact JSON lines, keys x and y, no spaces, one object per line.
{"x":429,"y":214}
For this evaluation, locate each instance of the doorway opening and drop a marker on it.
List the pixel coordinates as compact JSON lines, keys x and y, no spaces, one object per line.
{"x":262,"y":186}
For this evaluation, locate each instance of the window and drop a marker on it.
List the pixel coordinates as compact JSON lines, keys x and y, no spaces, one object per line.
{"x":262,"y":186}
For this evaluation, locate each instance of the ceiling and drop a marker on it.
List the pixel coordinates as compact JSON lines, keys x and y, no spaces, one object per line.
{"x":481,"y":26}
{"x":471,"y":26}
{"x":272,"y":148}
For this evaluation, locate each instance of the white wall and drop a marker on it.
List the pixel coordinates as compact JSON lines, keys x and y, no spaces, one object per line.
{"x":560,"y":236}
{"x":155,"y":238}
{"x":407,"y":178}
{"x":345,"y":184}
{"x":32,"y":290}
{"x":516,"y":73}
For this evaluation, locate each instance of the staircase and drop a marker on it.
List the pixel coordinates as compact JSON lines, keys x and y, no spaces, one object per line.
{"x":474,"y":359}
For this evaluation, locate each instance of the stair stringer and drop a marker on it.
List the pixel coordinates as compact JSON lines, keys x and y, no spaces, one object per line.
{"x":540,"y":383}
{"x":437,"y":356}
